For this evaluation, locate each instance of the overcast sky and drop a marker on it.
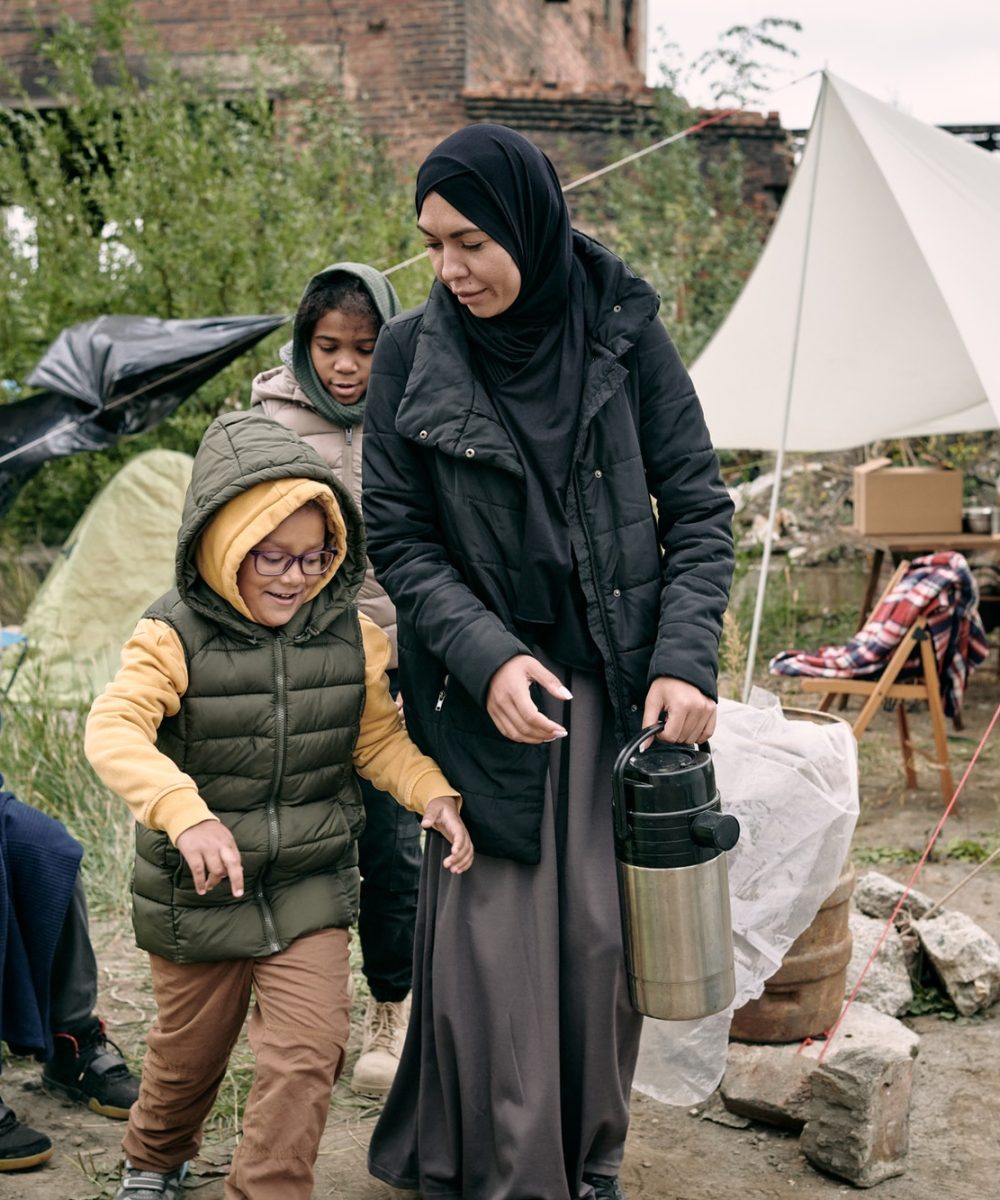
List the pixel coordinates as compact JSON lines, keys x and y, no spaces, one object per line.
{"x":938,"y":60}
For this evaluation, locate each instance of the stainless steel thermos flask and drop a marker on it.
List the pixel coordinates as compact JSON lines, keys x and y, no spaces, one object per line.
{"x":670,"y":841}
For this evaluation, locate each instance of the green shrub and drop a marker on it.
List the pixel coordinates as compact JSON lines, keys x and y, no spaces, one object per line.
{"x":177,"y":198}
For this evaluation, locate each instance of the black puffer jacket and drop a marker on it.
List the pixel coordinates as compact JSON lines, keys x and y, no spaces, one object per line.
{"x":444,"y":506}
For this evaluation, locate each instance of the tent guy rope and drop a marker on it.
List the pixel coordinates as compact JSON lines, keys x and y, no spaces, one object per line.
{"x":939,"y":904}
{"x":637,"y":154}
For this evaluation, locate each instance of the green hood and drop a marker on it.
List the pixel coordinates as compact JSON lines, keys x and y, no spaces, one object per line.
{"x":239,"y":451}
{"x":295,"y":354}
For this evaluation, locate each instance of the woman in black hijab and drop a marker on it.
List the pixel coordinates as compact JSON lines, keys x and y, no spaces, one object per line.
{"x":517,"y":425}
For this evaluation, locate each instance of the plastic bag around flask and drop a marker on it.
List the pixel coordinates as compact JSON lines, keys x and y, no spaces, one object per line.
{"x":793,"y":785}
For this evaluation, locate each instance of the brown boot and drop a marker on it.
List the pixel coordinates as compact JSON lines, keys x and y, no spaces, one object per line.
{"x":382,"y":1038}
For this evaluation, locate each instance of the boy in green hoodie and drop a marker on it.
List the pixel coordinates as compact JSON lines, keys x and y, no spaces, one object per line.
{"x":247,"y":699}
{"x":319,"y":391}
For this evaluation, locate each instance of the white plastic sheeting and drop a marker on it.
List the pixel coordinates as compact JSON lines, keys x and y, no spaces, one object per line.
{"x":794,"y":787}
{"x":874,"y":307}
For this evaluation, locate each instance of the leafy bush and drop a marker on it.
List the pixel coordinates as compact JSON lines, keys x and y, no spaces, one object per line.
{"x":176,"y":197}
{"x":151,"y":192}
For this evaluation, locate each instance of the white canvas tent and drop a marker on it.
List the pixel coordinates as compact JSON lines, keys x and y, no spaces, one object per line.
{"x":874,"y":308}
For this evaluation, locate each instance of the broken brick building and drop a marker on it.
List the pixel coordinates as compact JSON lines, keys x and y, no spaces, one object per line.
{"x":568,"y":73}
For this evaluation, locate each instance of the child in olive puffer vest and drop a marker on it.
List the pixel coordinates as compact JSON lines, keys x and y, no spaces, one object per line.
{"x":246,"y":700}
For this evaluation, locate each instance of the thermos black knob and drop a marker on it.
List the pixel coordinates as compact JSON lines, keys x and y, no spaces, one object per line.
{"x":715,"y":830}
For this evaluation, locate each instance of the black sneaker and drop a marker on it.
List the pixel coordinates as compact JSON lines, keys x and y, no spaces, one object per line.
{"x":606,"y":1187}
{"x":20,"y":1146}
{"x":89,"y":1068}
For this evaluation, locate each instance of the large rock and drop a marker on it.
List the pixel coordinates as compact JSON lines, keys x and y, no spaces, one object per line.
{"x":858,"y":1118}
{"x":877,"y":895}
{"x":965,"y":957}
{"x":768,"y":1083}
{"x":852,"y":1108}
{"x":886,"y":985}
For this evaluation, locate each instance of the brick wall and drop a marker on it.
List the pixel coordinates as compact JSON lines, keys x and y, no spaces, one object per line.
{"x":405,"y":65}
{"x":579,"y":46}
{"x":768,"y":155}
{"x":565,"y":73}
{"x":401,"y":63}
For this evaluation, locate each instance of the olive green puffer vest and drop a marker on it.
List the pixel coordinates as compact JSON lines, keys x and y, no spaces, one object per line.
{"x":266,"y":729}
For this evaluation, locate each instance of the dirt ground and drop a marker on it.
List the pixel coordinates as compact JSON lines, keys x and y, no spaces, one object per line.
{"x":672,"y":1153}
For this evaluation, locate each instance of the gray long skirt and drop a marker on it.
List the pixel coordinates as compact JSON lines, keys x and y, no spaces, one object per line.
{"x":518,"y":1062}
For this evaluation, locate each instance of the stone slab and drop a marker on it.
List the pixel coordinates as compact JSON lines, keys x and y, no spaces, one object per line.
{"x":858,"y":1119}
{"x":886,"y":985}
{"x":852,"y":1108}
{"x":966,"y":958}
{"x":876,"y":895}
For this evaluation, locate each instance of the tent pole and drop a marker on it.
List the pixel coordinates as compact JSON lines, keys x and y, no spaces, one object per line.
{"x":779,"y":462}
{"x":765,"y":562}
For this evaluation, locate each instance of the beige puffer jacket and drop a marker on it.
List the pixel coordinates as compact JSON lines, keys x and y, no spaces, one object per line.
{"x":280,"y":397}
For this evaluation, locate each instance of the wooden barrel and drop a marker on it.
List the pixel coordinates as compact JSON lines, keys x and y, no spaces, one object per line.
{"x":805,"y":995}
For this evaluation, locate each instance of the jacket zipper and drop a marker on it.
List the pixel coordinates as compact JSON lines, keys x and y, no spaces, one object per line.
{"x":622,"y":698}
{"x":442,"y":694}
{"x":273,"y":829}
{"x":270,"y":931}
{"x":348,"y":476}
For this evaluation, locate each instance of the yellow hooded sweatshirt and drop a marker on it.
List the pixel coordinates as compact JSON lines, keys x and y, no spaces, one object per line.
{"x":120,"y":739}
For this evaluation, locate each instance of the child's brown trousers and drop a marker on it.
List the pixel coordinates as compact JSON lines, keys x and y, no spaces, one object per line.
{"x":298,"y":1032}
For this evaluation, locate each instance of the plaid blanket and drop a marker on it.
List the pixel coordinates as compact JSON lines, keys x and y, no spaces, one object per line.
{"x":939,"y":587}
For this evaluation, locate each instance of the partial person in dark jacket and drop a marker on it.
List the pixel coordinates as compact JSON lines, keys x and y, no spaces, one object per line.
{"x":247,"y":698}
{"x":517,"y":426}
{"x":48,"y":971}
{"x":320,"y":393}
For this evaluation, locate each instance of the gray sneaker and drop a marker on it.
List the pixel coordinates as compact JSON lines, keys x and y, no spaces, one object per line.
{"x":138,"y":1184}
{"x":606,"y":1187}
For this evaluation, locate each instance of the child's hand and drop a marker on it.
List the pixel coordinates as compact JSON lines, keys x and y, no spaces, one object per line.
{"x":211,"y":852}
{"x":442,"y":814}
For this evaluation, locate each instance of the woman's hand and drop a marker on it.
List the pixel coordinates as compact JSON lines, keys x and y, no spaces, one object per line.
{"x":211,"y":852}
{"x":690,"y":714}
{"x":509,"y":702}
{"x":442,"y":814}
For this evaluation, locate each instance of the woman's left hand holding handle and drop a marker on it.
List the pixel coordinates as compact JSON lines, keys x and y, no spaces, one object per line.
{"x":690,"y":713}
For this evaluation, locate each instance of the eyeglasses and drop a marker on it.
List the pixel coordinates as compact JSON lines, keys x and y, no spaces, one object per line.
{"x":273,"y":562}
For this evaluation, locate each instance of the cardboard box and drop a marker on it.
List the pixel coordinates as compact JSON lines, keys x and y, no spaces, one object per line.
{"x":890,"y":499}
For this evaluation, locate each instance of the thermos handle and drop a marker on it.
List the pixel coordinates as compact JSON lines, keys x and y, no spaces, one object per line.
{"x":618,"y":775}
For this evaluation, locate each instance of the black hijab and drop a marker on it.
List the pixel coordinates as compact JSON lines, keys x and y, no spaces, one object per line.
{"x":530,"y":357}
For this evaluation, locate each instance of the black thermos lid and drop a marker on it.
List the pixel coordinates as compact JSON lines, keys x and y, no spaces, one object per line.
{"x":671,"y":778}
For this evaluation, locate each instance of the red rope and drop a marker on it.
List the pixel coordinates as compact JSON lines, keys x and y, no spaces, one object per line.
{"x":719,"y":116}
{"x":831,"y":1032}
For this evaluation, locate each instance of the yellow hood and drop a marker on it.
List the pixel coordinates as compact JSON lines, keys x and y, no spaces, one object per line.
{"x":248,"y":518}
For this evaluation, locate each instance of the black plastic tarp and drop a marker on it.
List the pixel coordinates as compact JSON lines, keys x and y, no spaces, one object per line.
{"x":114,"y":376}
